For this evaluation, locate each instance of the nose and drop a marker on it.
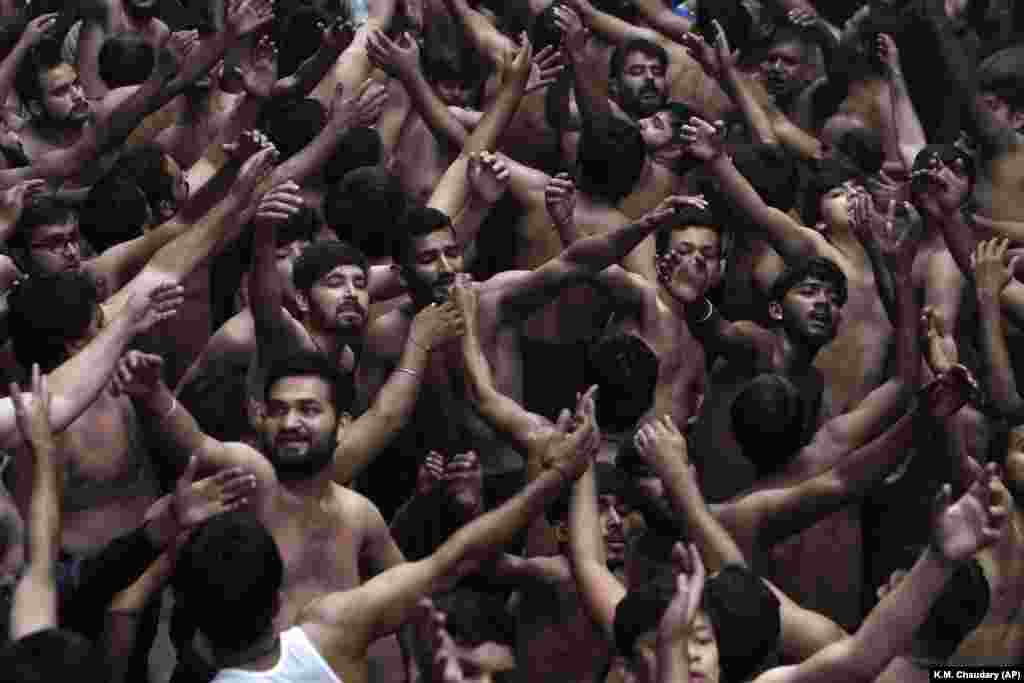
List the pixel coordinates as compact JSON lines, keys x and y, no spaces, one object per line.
{"x":614,"y":518}
{"x":291,"y":420}
{"x":69,"y":247}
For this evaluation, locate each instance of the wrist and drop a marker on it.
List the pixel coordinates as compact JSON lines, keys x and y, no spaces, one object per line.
{"x":988,"y":298}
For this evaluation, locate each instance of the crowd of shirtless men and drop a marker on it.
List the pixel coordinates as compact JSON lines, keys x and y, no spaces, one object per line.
{"x":494,"y":341}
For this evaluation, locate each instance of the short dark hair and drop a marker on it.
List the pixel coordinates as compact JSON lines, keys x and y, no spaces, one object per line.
{"x":625,"y":369}
{"x":312,"y":364}
{"x":687,"y":217}
{"x":417,"y":222}
{"x":817,"y":267}
{"x":46,"y":311}
{"x":41,"y":211}
{"x":146,"y":165}
{"x":293,"y":124}
{"x":611,"y":155}
{"x":361,"y":146}
{"x":302,"y":226}
{"x":365,"y":207}
{"x":115,"y":210}
{"x":297,"y":35}
{"x":1000,"y":74}
{"x":320,"y":258}
{"x":229,"y":572}
{"x":125,"y":59}
{"x":822,"y":176}
{"x":631,"y":47}
{"x":215,"y":399}
{"x":52,"y":654}
{"x":43,"y":57}
{"x":474,"y":618}
{"x":768,"y":421}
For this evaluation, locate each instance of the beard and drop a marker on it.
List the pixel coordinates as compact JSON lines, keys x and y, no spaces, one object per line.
{"x":643,"y":103}
{"x":291,"y":468}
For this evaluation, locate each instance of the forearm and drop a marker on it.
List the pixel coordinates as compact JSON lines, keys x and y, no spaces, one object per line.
{"x":266,"y":291}
{"x":468,"y":223}
{"x":44,"y":513}
{"x":612,"y":28}
{"x":442,"y":122}
{"x":300,"y":166}
{"x":593,"y":254}
{"x":754,"y":112}
{"x":1002,"y":384}
{"x":591,"y":90}
{"x":586,"y":545}
{"x":397,"y":398}
{"x":906,"y":126}
{"x":959,"y":240}
{"x":908,"y":351}
{"x":485,"y":38}
{"x":869,"y":464}
{"x":309,"y":73}
{"x":663,"y":19}
{"x":716,"y":545}
{"x":673,"y":661}
{"x":173,"y":424}
{"x":9,"y":69}
{"x":784,"y":235}
{"x":124,"y":612}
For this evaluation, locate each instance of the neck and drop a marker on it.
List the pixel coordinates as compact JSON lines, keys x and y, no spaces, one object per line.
{"x":264,"y":653}
{"x":61,"y":134}
{"x":674,"y":303}
{"x":317,"y":487}
{"x":796,"y":355}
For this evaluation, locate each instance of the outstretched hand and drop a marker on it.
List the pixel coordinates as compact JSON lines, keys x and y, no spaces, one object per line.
{"x":259,"y":70}
{"x":973,"y":522}
{"x":147,"y":308}
{"x":488,"y":176}
{"x":279,"y":205}
{"x":703,"y":141}
{"x":659,"y":442}
{"x":399,"y":58}
{"x":547,"y":65}
{"x":939,"y":350}
{"x":678,"y":617}
{"x":991,"y":271}
{"x":137,"y":375}
{"x":560,"y":199}
{"x":575,"y":440}
{"x":33,"y":413}
{"x":197,"y":501}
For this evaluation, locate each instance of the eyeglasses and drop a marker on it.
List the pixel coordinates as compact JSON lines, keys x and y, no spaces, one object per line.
{"x":58,"y":243}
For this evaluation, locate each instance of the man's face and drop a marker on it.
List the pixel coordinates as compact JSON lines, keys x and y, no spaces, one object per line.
{"x":657,"y":130}
{"x":641,"y":87}
{"x":179,"y":191}
{"x":782,"y":69}
{"x":611,"y":511}
{"x":299,"y":426}
{"x":340,"y":300}
{"x":811,"y":309}
{"x":436,"y":260}
{"x":56,"y":248}
{"x":285,"y":255}
{"x":464,"y":663}
{"x":702,"y":648}
{"x":835,"y":206}
{"x":63,"y":100}
{"x":455,"y":93}
{"x":1000,"y":111}
{"x":699,"y":266}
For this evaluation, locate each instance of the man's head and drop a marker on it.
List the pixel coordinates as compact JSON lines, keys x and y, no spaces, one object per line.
{"x":160,"y":178}
{"x":332,"y":287}
{"x":737,"y":626}
{"x":363,"y":193}
{"x":768,"y":421}
{"x":291,"y":125}
{"x":126,"y":59}
{"x":611,"y":485}
{"x":142,"y":10}
{"x":827,"y":189}
{"x":625,"y":369}
{"x":696,"y":239}
{"x":638,"y":77}
{"x":427,"y":254}
{"x":52,"y":654}
{"x":785,"y":67}
{"x":807,"y":302}
{"x":662,"y":132}
{"x":50,"y":89}
{"x":48,"y":235}
{"x":52,"y":317}
{"x":456,"y":77}
{"x":611,"y":155}
{"x":115,"y":210}
{"x":955,"y":169}
{"x":476,"y":641}
{"x":305,"y":397}
{"x":228,"y":577}
{"x":1001,"y":90}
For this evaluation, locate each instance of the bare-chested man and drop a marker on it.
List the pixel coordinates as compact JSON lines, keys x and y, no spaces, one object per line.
{"x":105,"y":18}
{"x":335,"y":629}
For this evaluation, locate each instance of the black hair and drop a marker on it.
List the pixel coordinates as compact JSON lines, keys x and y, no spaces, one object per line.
{"x":417,"y":222}
{"x":822,"y":176}
{"x":49,"y":655}
{"x":686,"y":217}
{"x":610,"y":480}
{"x":229,"y":573}
{"x":626,"y":370}
{"x":634,"y":46}
{"x":320,"y":258}
{"x":301,"y":226}
{"x":1000,"y":74}
{"x":864,"y":147}
{"x":771,"y":170}
{"x":46,"y":311}
{"x":146,"y":165}
{"x":789,"y":33}
{"x":817,"y":267}
{"x":43,"y":57}
{"x":115,"y":210}
{"x":474,"y":618}
{"x":611,"y":155}
{"x":768,"y":421}
{"x":957,"y":611}
{"x":214,"y":398}
{"x":297,"y":35}
{"x":359,"y":147}
{"x":41,"y":211}
{"x":948,"y":155}
{"x":125,"y":59}
{"x":293,"y":124}
{"x":365,"y":207}
{"x":311,"y":364}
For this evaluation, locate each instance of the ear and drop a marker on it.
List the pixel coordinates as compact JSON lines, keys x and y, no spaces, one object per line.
{"x":775,"y":310}
{"x":302,"y":302}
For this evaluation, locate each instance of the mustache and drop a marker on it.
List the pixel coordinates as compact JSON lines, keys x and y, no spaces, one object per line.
{"x":351,"y":306}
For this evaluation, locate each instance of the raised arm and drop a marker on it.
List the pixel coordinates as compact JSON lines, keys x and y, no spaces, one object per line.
{"x":35,"y":31}
{"x":793,"y":242}
{"x":864,"y":220}
{"x":351,"y":620}
{"x":214,"y":231}
{"x":401,"y":59}
{"x":362,"y":440}
{"x":354,"y":66}
{"x":34,"y":605}
{"x":334,"y":38}
{"x":484,"y":37}
{"x":960,"y":530}
{"x":991,"y":277}
{"x":612,"y":28}
{"x":450,"y":194}
{"x":590,"y":74}
{"x":899,"y":242}
{"x":661,"y":445}
{"x":78,"y":381}
{"x":523,"y":294}
{"x":908,"y":135}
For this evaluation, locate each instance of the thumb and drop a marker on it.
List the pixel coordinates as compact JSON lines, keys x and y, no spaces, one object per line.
{"x":564,"y":422}
{"x":189,"y":475}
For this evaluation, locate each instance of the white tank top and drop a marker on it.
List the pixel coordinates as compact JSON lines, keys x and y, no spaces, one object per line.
{"x":299,"y":663}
